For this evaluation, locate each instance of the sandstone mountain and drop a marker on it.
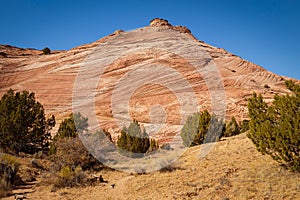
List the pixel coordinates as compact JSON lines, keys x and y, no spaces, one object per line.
{"x":53,"y":77}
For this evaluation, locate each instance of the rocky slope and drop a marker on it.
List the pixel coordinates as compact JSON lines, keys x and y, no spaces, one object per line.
{"x":161,"y":52}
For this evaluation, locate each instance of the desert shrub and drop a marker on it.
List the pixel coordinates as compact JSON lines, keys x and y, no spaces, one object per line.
{"x":23,"y":125}
{"x":8,"y":170}
{"x":98,"y":141}
{"x":201,"y":127}
{"x":232,"y":128}
{"x":69,"y":128}
{"x":70,"y":161}
{"x":68,"y":177}
{"x":153,"y":145}
{"x":168,"y":168}
{"x":216,"y":129}
{"x":46,"y":51}
{"x":275,"y":129}
{"x":71,"y":152}
{"x":134,"y":141}
{"x":244,"y":126}
{"x":67,"y":149}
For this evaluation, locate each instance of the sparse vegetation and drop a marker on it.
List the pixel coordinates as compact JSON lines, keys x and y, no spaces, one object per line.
{"x":71,"y":152}
{"x":67,"y":148}
{"x":168,"y":166}
{"x":244,"y":126}
{"x":275,"y":129}
{"x":134,"y":141}
{"x":46,"y":51}
{"x":8,"y":170}
{"x":68,"y":177}
{"x":71,"y":126}
{"x":70,"y":157}
{"x":232,"y":128}
{"x":201,"y":127}
{"x":23,"y":125}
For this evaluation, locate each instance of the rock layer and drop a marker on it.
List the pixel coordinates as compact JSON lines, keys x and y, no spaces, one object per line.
{"x":52,"y":77}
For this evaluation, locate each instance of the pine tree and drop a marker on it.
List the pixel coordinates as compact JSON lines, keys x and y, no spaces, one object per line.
{"x":216,"y":129}
{"x":244,"y":126}
{"x":23,"y":125}
{"x":201,"y":127}
{"x":232,"y":128}
{"x":134,"y":141}
{"x":190,"y":129}
{"x":71,"y":126}
{"x":275,"y":129}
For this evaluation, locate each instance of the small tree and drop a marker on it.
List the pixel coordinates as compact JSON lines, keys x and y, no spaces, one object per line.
{"x":135,"y":139}
{"x":275,"y":129}
{"x":216,"y":130}
{"x":153,"y":145}
{"x":232,"y":128}
{"x":73,"y":125}
{"x":46,"y":51}
{"x":244,"y":126}
{"x":23,"y":125}
{"x":69,"y":128}
{"x":200,"y":128}
{"x":190,"y":129}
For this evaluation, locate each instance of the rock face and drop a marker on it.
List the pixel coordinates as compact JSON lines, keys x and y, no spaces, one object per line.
{"x":159,"y":22}
{"x":155,"y":54}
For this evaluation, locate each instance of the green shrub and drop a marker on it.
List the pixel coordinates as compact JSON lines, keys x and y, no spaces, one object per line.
{"x":46,"y":51}
{"x":67,"y":129}
{"x":275,"y":129}
{"x":200,"y":128}
{"x":68,"y":177}
{"x":72,"y":126}
{"x":134,"y":141}
{"x":23,"y":125}
{"x":153,"y":145}
{"x":244,"y":126}
{"x":232,"y":128}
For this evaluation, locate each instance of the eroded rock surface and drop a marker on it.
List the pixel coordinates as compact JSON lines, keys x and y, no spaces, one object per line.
{"x":160,"y":51}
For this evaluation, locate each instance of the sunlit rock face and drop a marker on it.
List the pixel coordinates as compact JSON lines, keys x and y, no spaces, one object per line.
{"x":157,"y":74}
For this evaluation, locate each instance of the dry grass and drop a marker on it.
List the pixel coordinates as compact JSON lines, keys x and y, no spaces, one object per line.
{"x":232,"y":170}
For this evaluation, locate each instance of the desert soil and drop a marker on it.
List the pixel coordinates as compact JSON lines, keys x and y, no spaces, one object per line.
{"x":232,"y":170}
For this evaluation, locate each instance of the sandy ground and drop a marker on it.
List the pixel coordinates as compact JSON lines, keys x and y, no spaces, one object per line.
{"x":232,"y":170}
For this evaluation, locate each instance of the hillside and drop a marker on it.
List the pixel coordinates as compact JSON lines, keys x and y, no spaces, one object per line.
{"x":232,"y":170}
{"x":222,"y":83}
{"x":157,"y":75}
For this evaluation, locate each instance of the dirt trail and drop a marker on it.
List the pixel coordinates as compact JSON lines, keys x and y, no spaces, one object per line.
{"x":120,"y":188}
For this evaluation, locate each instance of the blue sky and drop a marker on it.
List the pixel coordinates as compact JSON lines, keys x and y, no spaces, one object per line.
{"x":266,"y":32}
